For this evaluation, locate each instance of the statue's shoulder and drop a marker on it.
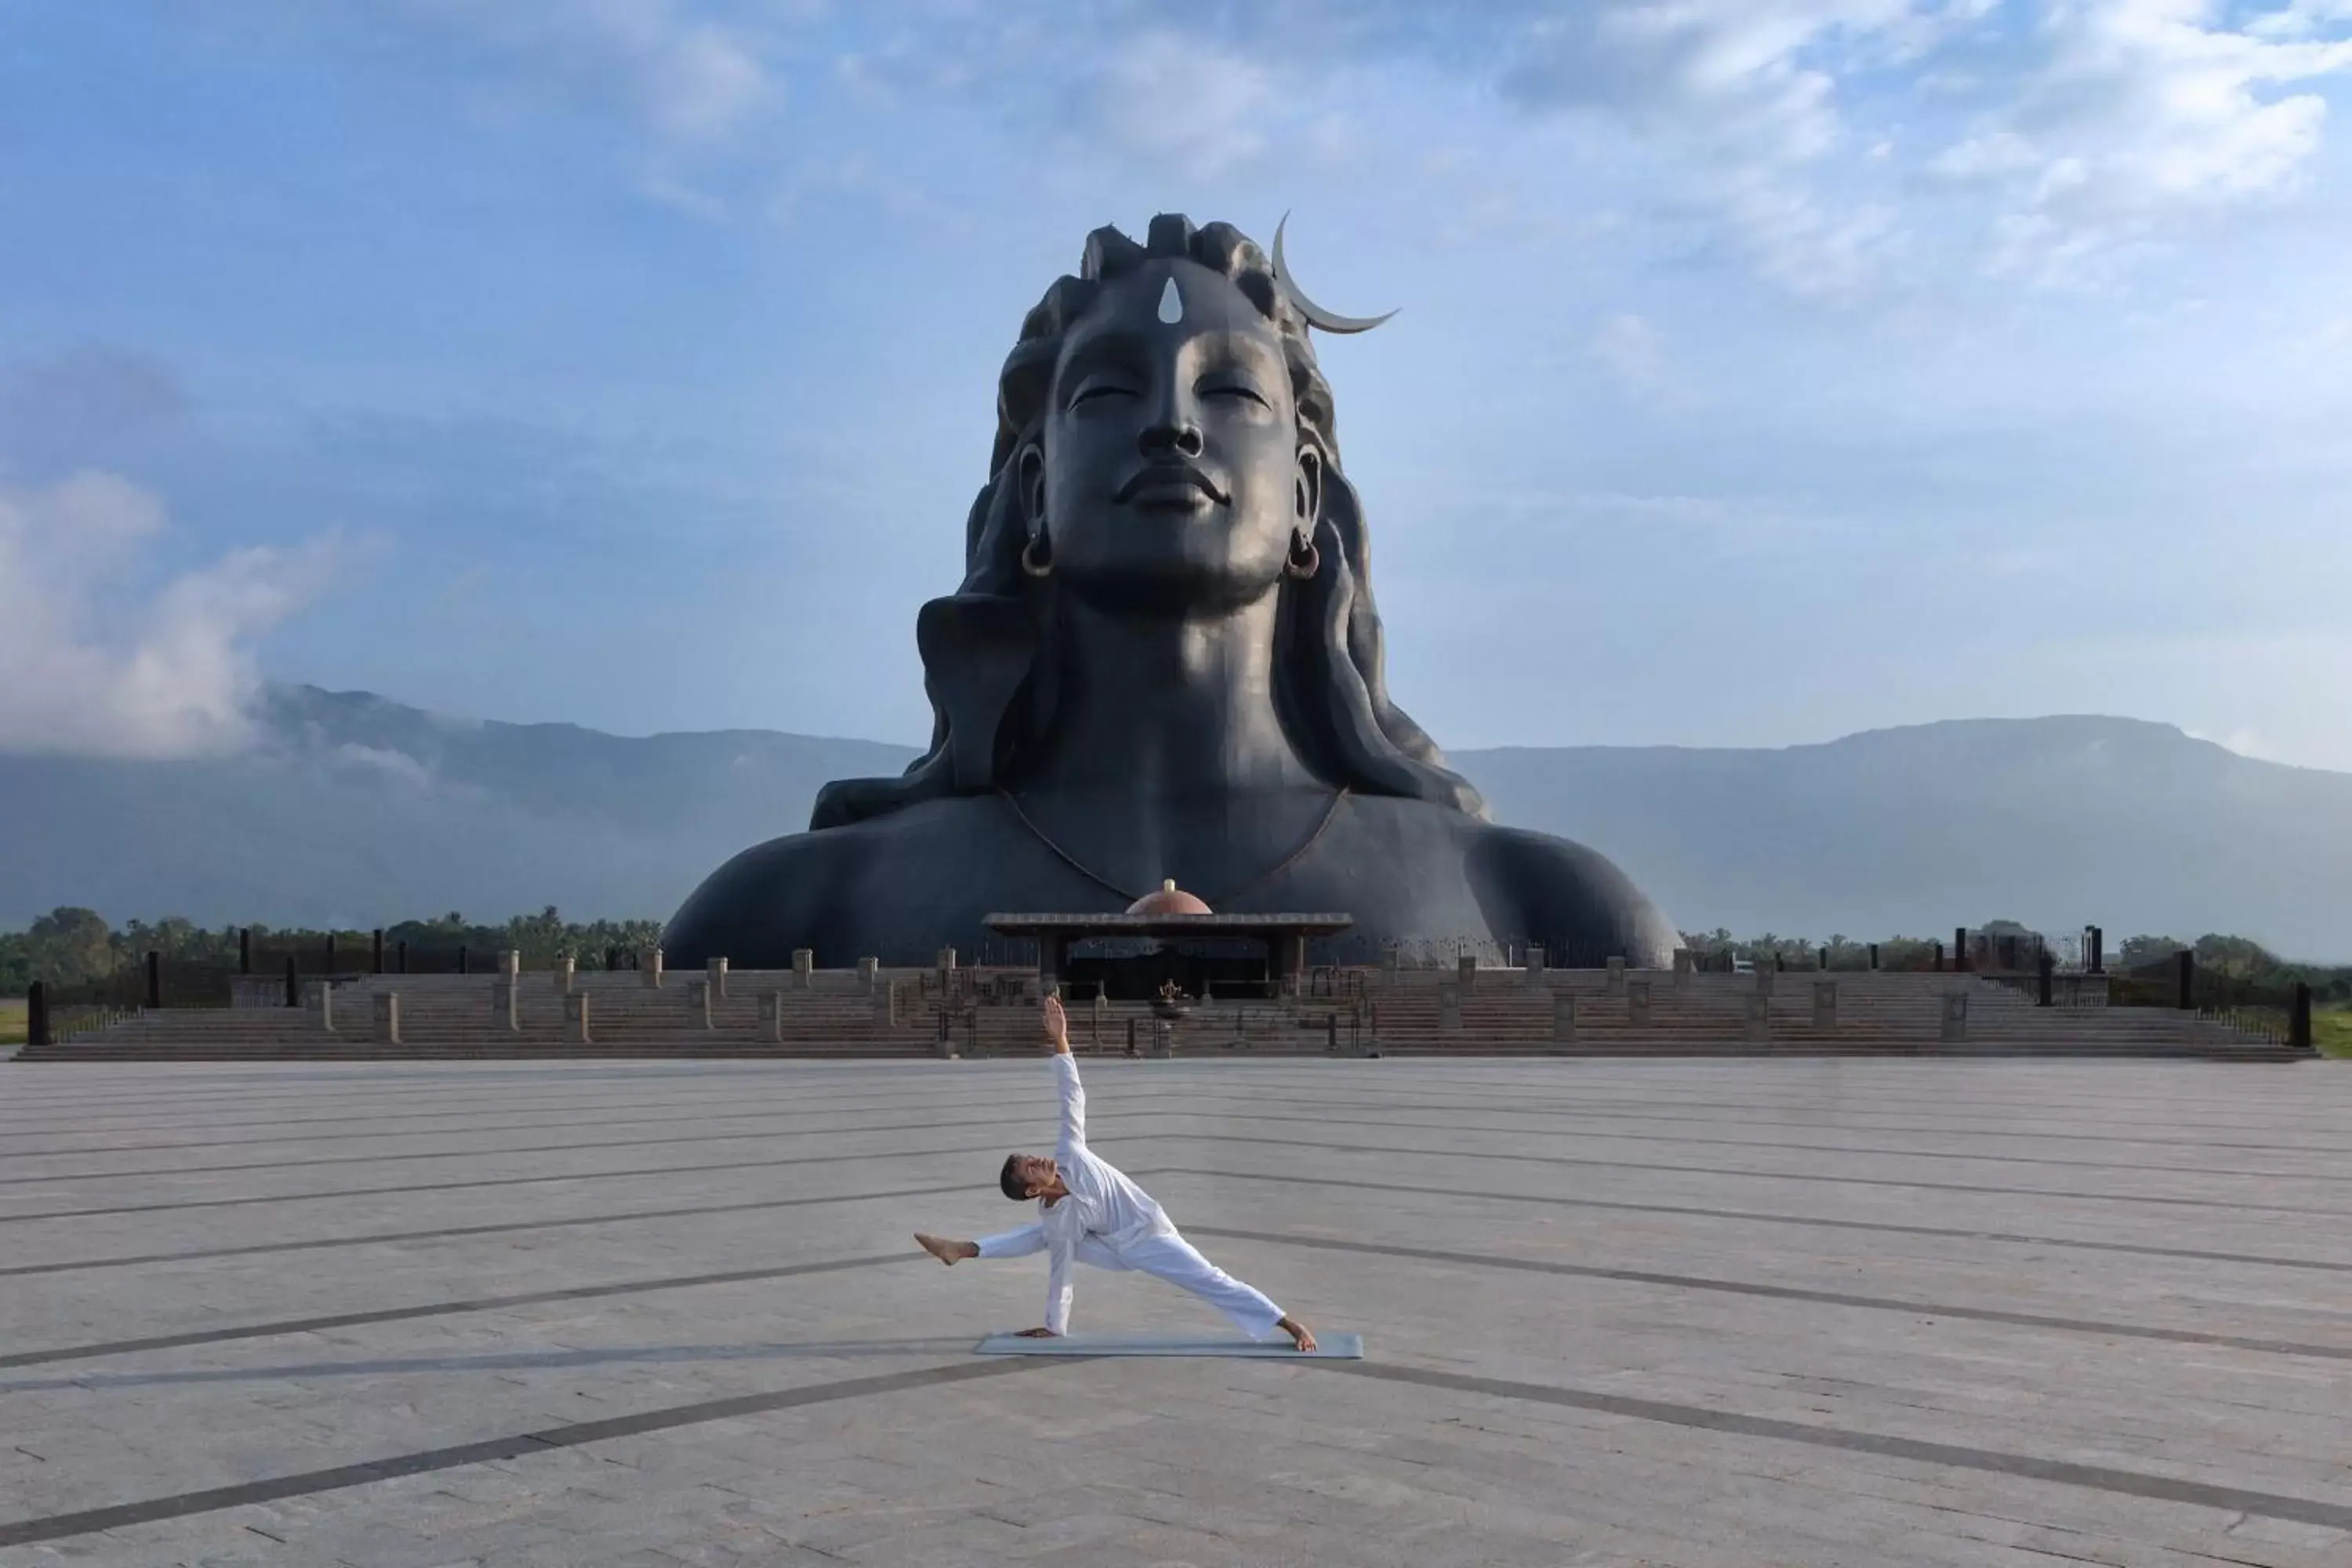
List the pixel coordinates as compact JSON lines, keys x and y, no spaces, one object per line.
{"x":1568,"y":896}
{"x":781,"y":891}
{"x":808,"y":890}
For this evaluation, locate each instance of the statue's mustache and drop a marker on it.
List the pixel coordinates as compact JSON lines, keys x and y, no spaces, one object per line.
{"x":1155,"y":475}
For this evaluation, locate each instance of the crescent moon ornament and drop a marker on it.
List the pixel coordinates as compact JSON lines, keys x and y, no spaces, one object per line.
{"x":1315,"y":314}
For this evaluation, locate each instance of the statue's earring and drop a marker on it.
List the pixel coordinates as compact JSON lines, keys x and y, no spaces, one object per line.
{"x":1304,"y":559}
{"x":1037,"y":555}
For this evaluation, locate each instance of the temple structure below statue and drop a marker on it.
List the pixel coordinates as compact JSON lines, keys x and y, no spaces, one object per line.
{"x":1163,"y":662}
{"x":1184,"y":946}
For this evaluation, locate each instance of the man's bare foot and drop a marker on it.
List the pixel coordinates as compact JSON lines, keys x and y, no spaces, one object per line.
{"x":946,"y":1251}
{"x":1298,"y":1333}
{"x":1036,"y":1334}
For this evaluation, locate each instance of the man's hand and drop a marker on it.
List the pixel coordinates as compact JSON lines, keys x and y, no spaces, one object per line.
{"x":1036,"y":1334}
{"x":1056,"y":1024}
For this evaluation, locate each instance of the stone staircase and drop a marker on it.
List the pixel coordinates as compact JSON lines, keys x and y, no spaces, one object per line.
{"x":1873,"y":1014}
{"x":991,"y":1012}
{"x":459,"y":1016}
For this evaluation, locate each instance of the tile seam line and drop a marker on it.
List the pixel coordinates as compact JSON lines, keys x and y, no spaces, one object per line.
{"x":1567,"y":1162}
{"x":1123,"y":1113}
{"x":1768,"y":1291}
{"x":285,"y":1326}
{"x":2025,"y":1466}
{"x":308,"y":1483}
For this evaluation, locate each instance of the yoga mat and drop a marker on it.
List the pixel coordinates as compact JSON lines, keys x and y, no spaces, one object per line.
{"x":1328,"y":1347}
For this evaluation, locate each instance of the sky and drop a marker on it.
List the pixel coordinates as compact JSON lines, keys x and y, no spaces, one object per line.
{"x":1763,"y":370}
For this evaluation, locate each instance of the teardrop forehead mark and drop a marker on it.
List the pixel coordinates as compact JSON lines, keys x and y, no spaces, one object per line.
{"x":1171,"y":302}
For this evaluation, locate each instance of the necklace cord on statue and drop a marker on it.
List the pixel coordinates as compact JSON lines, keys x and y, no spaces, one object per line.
{"x":1330,"y":813}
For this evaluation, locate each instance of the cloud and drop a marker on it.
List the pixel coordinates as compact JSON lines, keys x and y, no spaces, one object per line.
{"x":87,"y":397}
{"x":395,"y":765}
{"x":671,"y":66}
{"x":1633,"y":352}
{"x":1183,"y":105}
{"x":1738,"y":102}
{"x":2301,"y":20}
{"x":2052,"y":138}
{"x":2141,"y":117}
{"x":94,"y":661}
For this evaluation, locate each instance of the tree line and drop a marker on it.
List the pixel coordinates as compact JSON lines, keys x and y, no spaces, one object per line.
{"x":2234,"y":958}
{"x":71,"y":947}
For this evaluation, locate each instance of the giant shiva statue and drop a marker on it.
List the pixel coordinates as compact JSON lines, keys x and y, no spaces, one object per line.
{"x":1164,"y":663}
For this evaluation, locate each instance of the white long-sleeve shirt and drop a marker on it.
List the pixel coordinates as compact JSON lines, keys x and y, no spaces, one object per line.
{"x":1102,"y":1204}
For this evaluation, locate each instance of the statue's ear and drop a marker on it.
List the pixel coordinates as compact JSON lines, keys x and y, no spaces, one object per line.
{"x":1031,"y":469}
{"x":1310,"y":495}
{"x":977,"y":650}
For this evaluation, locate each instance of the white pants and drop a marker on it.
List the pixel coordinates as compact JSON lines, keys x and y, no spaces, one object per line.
{"x":1179,"y":1263}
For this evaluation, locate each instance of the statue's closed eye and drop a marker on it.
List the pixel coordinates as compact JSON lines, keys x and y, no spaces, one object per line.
{"x":1094,"y":389}
{"x":1236,"y":389}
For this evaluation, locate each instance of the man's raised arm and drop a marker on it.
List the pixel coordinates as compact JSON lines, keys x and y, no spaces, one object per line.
{"x":1066,"y":1072}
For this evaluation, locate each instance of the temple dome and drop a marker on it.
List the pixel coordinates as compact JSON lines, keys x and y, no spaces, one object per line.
{"x":1170,"y":899}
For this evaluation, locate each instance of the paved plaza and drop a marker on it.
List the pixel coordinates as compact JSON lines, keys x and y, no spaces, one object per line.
{"x":1712,"y":1314}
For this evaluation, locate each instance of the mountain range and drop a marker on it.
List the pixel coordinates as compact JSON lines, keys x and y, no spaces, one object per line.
{"x":357,"y":811}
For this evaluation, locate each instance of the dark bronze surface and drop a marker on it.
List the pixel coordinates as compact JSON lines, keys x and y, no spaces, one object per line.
{"x":1166,"y":700}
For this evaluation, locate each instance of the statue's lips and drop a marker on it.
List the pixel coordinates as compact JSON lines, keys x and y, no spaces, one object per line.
{"x":1172,"y":487}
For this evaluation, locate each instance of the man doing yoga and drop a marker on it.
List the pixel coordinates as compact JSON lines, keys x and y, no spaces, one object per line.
{"x":1090,"y":1213}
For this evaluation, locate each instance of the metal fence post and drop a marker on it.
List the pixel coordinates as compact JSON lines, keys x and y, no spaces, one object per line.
{"x":2187,"y":997}
{"x":2299,"y":1017}
{"x":37,"y":1013}
{"x":293,"y":984}
{"x":154,"y":978}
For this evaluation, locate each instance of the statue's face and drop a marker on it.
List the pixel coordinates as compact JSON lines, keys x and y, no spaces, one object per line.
{"x":1171,"y":480}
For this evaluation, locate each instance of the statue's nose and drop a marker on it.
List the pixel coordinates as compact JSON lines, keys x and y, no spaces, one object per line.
{"x":1178,"y":437}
